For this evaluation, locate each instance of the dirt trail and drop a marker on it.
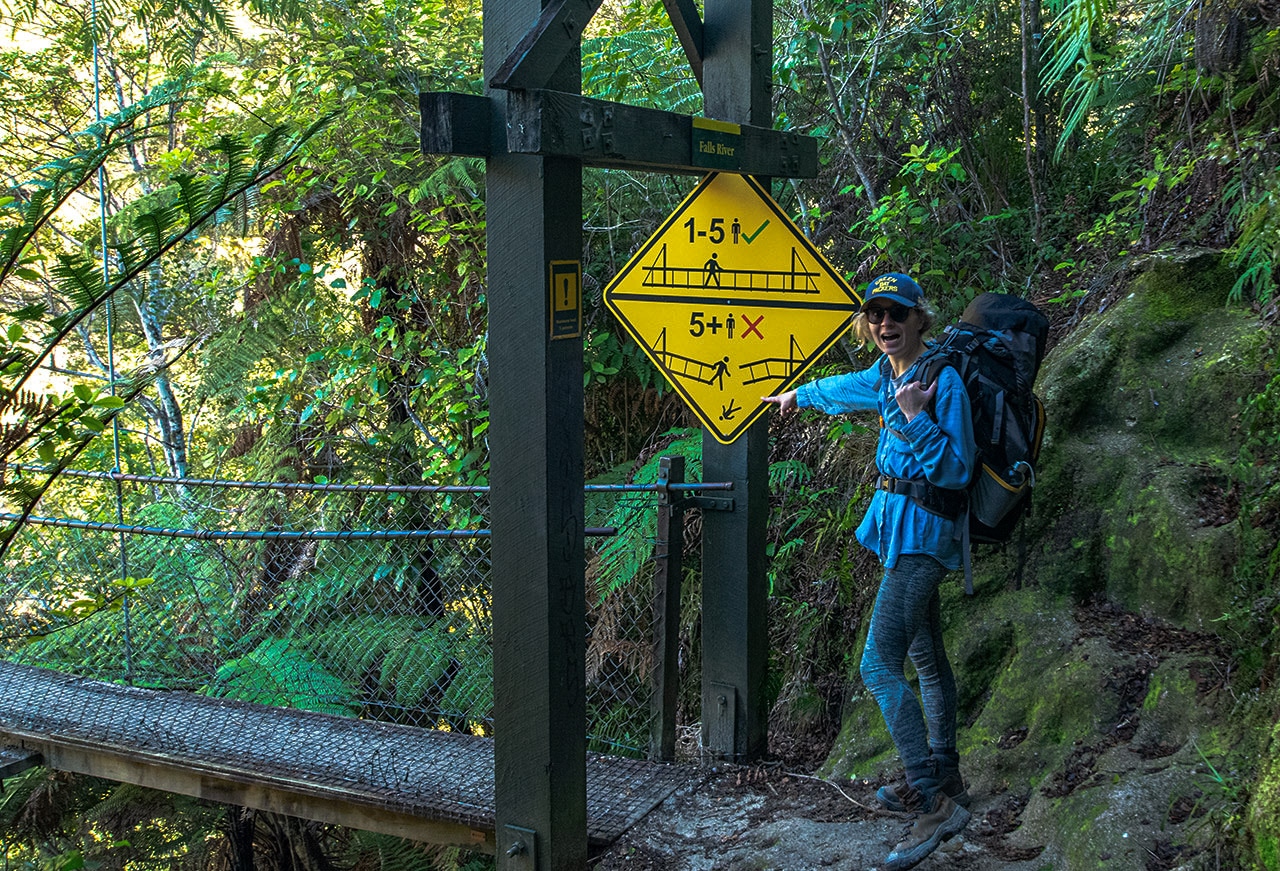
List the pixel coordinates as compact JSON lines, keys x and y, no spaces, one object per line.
{"x":763,"y":817}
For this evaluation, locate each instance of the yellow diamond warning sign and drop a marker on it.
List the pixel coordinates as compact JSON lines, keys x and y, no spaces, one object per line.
{"x":731,"y":302}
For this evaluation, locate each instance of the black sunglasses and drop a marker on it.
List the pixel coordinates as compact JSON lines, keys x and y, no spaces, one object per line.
{"x":899,"y":312}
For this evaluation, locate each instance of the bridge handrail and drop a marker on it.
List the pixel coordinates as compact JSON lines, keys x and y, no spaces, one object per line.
{"x":253,"y":534}
{"x":263,"y":534}
{"x":670,"y":495}
{"x":352,"y":488}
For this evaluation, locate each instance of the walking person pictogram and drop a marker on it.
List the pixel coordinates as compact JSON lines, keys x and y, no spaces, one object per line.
{"x":712,"y":270}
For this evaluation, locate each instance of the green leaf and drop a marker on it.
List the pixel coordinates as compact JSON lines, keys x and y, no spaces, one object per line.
{"x":276,"y":673}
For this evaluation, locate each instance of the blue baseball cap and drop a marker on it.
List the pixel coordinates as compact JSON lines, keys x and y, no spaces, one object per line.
{"x":895,"y":287}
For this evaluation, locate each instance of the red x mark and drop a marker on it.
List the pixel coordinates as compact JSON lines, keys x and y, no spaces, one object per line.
{"x":751,"y":326}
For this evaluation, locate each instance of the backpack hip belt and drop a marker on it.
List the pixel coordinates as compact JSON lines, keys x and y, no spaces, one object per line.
{"x":949,"y":504}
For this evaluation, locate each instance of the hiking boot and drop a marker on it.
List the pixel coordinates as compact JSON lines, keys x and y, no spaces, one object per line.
{"x":902,"y":797}
{"x":943,"y":821}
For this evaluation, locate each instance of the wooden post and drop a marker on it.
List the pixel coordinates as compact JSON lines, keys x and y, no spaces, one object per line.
{"x":737,"y":66}
{"x":534,"y":208}
{"x":668,"y":569}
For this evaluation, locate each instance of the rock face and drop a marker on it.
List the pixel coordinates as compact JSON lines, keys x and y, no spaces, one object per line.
{"x":1136,"y":497}
{"x":1095,"y":686}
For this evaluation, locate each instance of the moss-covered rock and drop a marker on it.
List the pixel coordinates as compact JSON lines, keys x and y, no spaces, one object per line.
{"x":1143,"y":398}
{"x":1264,"y":809}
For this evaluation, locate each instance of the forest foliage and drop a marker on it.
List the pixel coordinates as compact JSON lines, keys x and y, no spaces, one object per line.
{"x":223,"y":256}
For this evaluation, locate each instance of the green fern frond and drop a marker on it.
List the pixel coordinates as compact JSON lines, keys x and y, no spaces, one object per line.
{"x":642,"y":67}
{"x":41,"y":195}
{"x":470,"y":693}
{"x":389,"y":853}
{"x":414,"y":665}
{"x":79,"y":279}
{"x":624,"y":557}
{"x":789,"y":473}
{"x":268,"y":146}
{"x":277,"y":673}
{"x":76,"y":440}
{"x":193,"y":193}
{"x":85,"y":295}
{"x":154,"y":225}
{"x":354,"y":645}
{"x":283,"y":11}
{"x":452,"y":177}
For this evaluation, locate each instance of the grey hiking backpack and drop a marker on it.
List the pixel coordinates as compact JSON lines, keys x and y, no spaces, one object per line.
{"x":996,"y":349}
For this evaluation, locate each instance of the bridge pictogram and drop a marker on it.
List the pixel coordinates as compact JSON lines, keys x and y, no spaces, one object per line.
{"x":687,"y":367}
{"x":799,"y":279}
{"x":775,"y":368}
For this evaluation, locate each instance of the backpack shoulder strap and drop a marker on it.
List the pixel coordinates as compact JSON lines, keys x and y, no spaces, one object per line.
{"x":952,"y":349}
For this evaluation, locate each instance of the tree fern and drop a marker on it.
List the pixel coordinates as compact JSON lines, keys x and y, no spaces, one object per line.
{"x":415,"y":665}
{"x":80,"y":287}
{"x":76,"y":277}
{"x":470,"y":693}
{"x":59,"y":439}
{"x":356,"y":645}
{"x":279,"y":673}
{"x":624,"y":557}
{"x":642,"y":67}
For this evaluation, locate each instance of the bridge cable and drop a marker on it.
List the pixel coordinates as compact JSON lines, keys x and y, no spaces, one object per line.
{"x":111,"y":361}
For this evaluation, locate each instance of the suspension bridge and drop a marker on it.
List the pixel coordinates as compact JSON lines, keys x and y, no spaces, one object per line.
{"x":216,"y":677}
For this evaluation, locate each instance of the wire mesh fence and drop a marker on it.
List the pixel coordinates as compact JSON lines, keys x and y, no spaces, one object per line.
{"x":368,"y":601}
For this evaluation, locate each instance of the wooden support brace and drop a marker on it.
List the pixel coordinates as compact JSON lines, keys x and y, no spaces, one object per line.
{"x":668,"y":570}
{"x":535,"y":59}
{"x":688,"y":27}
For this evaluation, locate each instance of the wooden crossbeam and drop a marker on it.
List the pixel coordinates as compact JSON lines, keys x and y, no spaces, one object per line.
{"x":459,"y":124}
{"x":605,"y":134}
{"x":15,"y":760}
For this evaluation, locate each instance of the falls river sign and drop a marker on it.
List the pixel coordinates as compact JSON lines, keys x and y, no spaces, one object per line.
{"x":731,"y":302}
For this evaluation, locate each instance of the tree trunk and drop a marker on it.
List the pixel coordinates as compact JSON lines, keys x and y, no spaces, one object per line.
{"x":241,"y":822}
{"x":1030,"y":101}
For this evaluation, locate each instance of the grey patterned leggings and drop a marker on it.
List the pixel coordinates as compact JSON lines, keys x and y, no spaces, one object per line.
{"x":906,"y":623}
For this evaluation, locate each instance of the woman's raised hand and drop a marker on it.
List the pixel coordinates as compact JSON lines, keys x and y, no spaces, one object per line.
{"x":913,"y":399}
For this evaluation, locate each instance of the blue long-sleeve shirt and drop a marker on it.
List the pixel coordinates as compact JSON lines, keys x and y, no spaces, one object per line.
{"x":941,"y":451}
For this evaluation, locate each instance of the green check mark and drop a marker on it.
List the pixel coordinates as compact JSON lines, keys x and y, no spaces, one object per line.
{"x":751,"y":237}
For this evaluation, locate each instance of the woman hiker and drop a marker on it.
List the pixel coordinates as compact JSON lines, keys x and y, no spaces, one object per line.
{"x":926,"y":434}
